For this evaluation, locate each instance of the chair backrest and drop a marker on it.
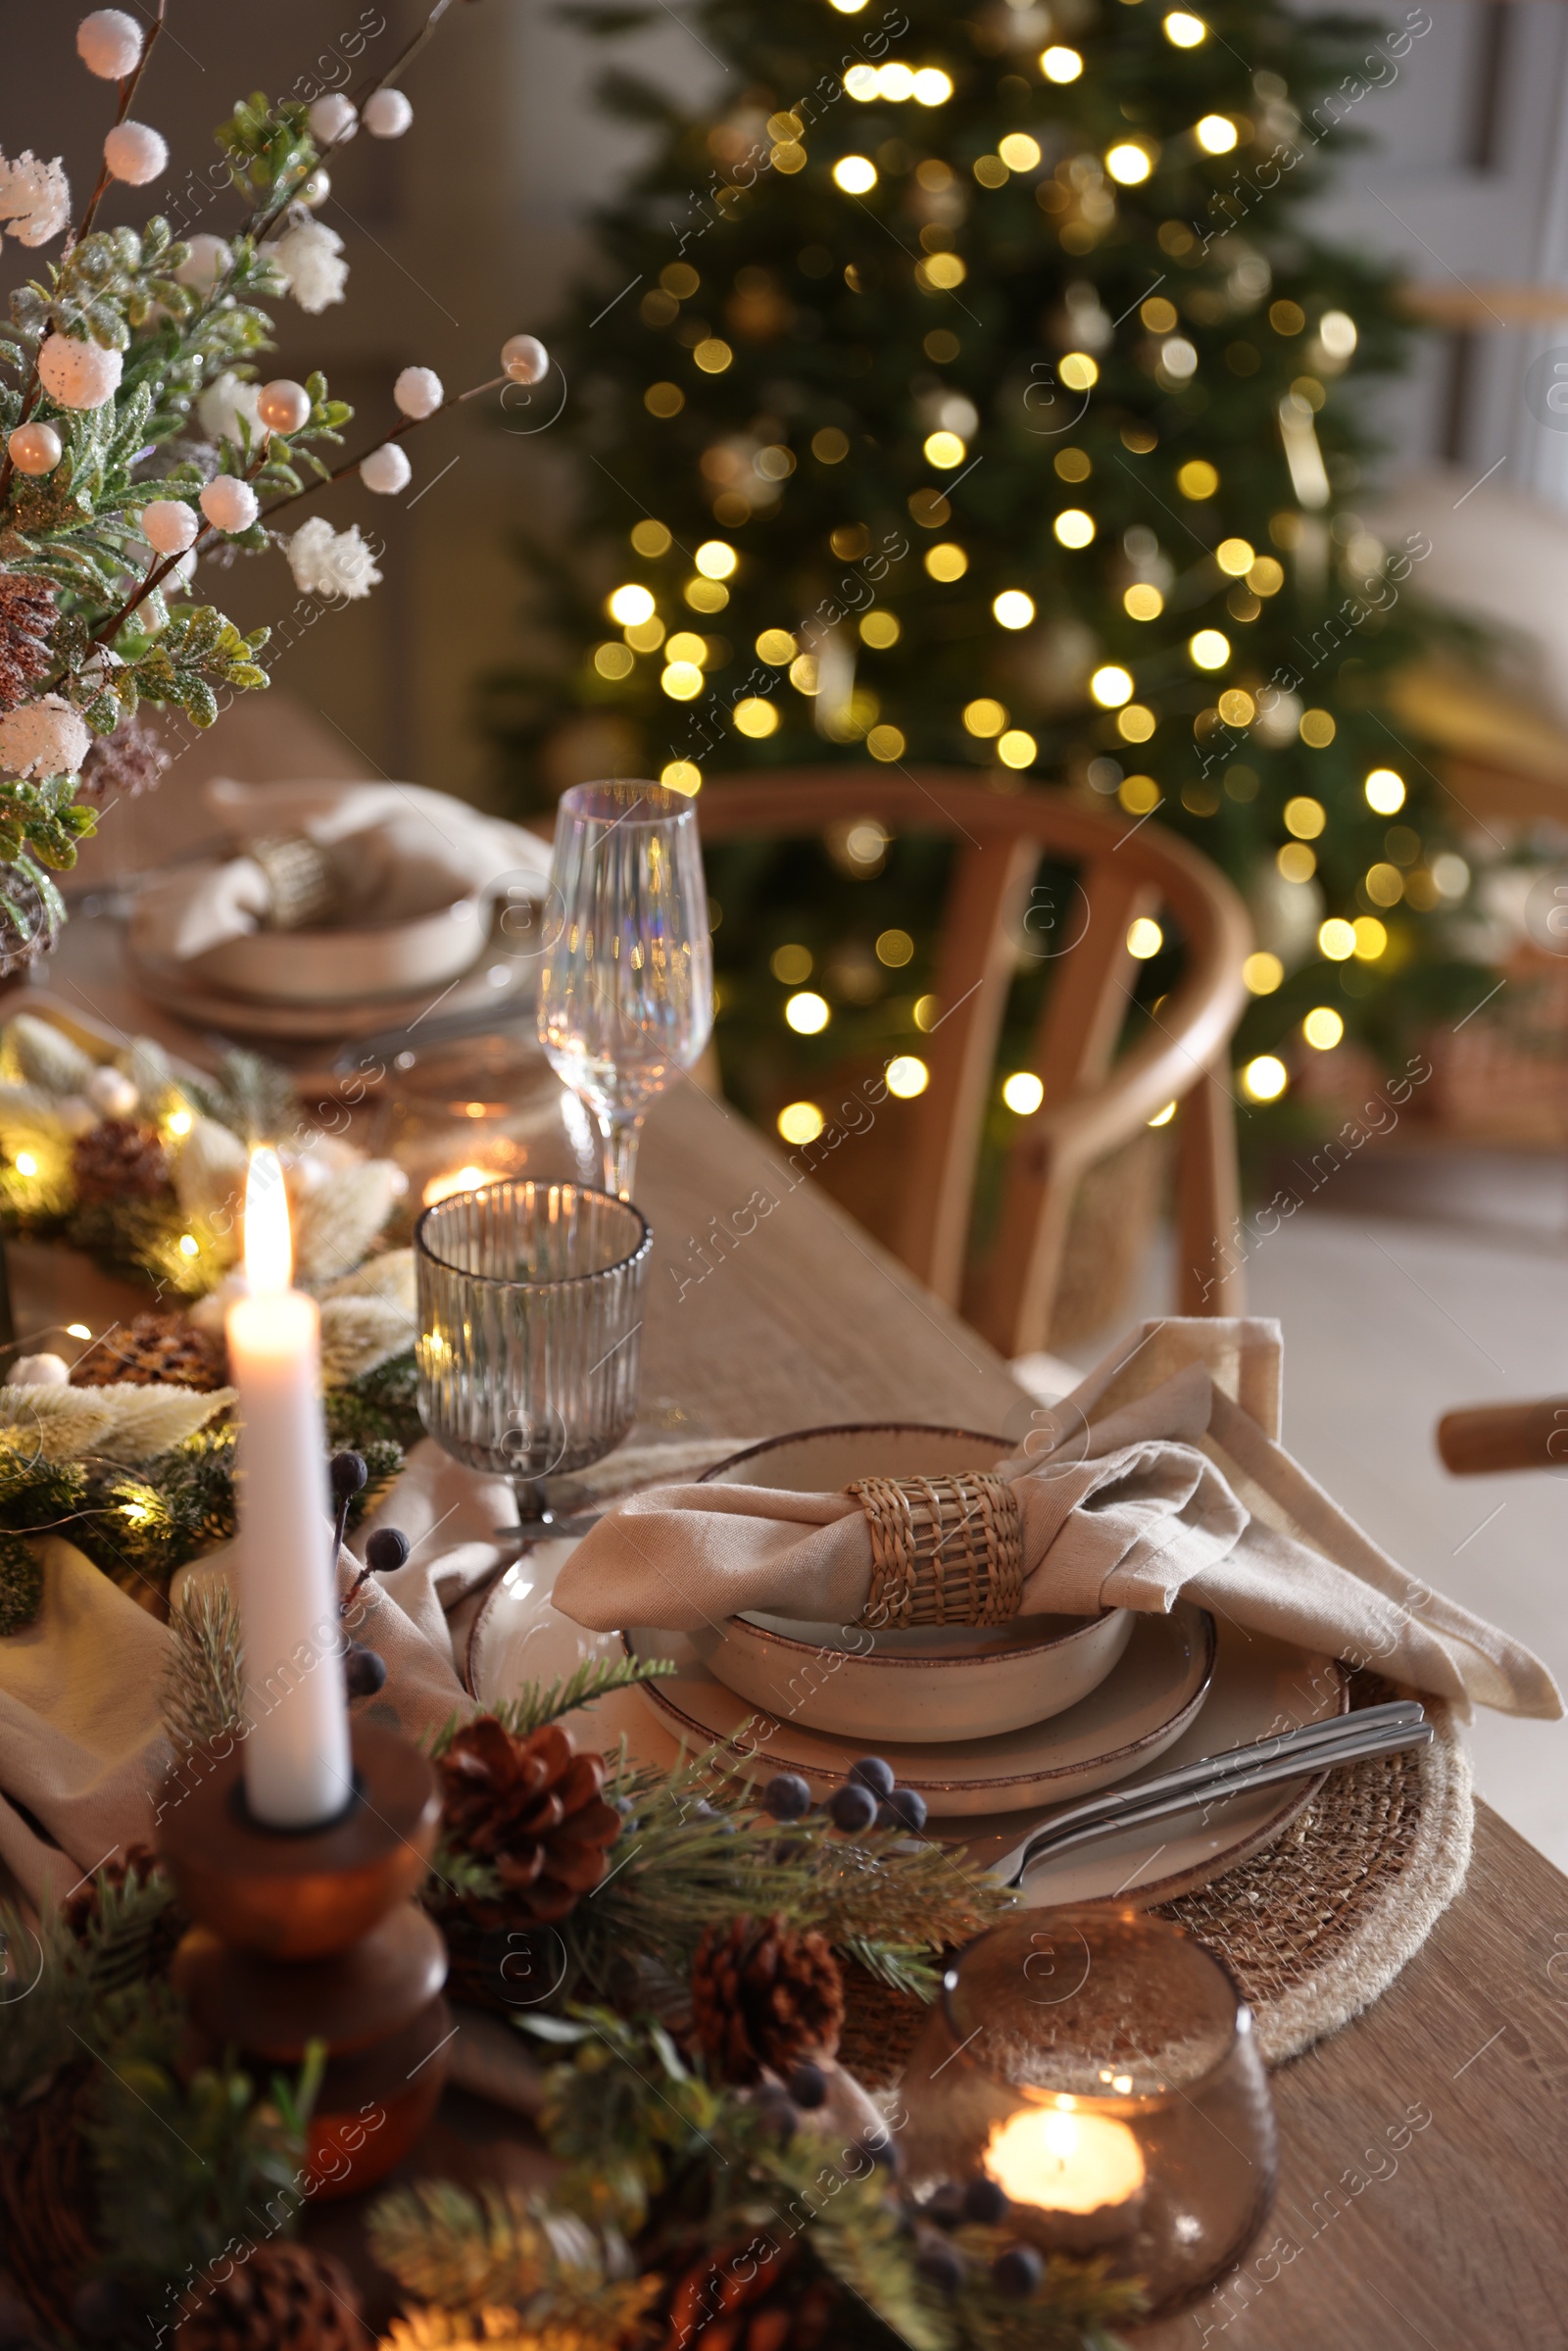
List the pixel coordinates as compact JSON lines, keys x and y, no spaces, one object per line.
{"x":1124,"y":869}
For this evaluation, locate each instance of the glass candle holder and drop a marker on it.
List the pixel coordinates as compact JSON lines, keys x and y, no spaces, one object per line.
{"x":1099,"y":2066}
{"x":530,"y":1304}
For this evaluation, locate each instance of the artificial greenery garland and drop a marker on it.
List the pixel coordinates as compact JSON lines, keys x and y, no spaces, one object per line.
{"x":141,"y":1521}
{"x":145,"y":1172}
{"x":680,"y":2202}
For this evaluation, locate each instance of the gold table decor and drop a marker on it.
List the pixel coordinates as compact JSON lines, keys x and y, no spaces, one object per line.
{"x":944,"y":1550}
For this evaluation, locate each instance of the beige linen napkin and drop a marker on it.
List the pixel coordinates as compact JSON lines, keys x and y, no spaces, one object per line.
{"x":397,"y":851}
{"x":1157,"y":1478}
{"x":82,"y":1747}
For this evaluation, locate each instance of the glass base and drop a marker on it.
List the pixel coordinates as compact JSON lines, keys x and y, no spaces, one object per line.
{"x":541,"y":1520}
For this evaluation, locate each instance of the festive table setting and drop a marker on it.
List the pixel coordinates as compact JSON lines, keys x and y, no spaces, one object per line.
{"x":581,"y":1769}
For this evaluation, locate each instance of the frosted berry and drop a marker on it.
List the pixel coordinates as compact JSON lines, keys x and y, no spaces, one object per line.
{"x":787,"y":1797}
{"x":852,"y":1808}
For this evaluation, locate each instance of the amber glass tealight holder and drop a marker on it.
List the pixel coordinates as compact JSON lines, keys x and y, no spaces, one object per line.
{"x":1099,"y":2066}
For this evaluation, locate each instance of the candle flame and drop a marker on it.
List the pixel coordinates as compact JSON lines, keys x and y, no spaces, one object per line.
{"x":1065,"y":2160}
{"x":268,"y":1243}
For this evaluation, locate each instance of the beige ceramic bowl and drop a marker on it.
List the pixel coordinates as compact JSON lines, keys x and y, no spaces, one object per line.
{"x":340,"y":967}
{"x":933,"y":1682}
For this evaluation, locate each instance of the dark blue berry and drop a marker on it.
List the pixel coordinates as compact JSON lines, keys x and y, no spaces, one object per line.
{"x":386,"y":1549}
{"x":787,"y":1797}
{"x":349,"y":1476}
{"x":364,"y":1670}
{"x":945,"y":2205}
{"x":852,"y":1808}
{"x":1018,"y":2272}
{"x":807,"y":2086}
{"x":984,"y":2201}
{"x":872,"y":1773}
{"x":941,"y":2265}
{"x":904,"y":1808}
{"x":879,"y":2147}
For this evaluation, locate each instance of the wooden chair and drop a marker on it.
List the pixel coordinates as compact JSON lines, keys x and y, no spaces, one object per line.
{"x":1093,"y":1102}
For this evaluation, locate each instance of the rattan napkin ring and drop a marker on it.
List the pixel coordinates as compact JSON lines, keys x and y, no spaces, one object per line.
{"x":944,"y":1550}
{"x":301,"y":879}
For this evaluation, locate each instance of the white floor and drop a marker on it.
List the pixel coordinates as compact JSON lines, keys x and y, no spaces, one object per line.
{"x":1432,"y":1286}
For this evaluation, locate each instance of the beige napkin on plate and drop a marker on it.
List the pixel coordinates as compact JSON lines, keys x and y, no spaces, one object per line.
{"x":396,"y":850}
{"x":1157,"y":1478}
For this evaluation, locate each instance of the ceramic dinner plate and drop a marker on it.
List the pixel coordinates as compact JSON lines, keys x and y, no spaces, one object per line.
{"x":1134,"y":1715}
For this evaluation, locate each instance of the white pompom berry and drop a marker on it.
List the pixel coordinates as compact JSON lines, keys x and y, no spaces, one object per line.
{"x":36,"y":449}
{"x":418,"y":391}
{"x":136,"y":152}
{"x":111,"y":1092}
{"x":524,"y":359}
{"x":283,"y":406}
{"x":38,"y":1371}
{"x":170,"y":525}
{"x":333,"y":120}
{"x":386,"y":471}
{"x":79,"y":374}
{"x":109,"y":43}
{"x":43,"y":738}
{"x":209,"y":259}
{"x":230,"y":504}
{"x":388,"y":114}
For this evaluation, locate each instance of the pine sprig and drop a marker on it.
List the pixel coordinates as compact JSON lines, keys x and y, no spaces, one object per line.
{"x":203,"y":1695}
{"x":690,"y":1853}
{"x":653,"y":2150}
{"x":501,"y":2248}
{"x":541,"y":1703}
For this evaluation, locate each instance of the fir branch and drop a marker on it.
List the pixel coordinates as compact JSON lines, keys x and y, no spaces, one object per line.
{"x":541,"y":1703}
{"x":504,"y":2250}
{"x":202,"y":1694}
{"x":690,"y":1854}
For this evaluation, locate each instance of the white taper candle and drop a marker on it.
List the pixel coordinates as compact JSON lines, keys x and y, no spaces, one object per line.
{"x":298,"y":1770}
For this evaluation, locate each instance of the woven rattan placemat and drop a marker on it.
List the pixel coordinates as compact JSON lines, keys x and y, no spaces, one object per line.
{"x":1316,"y":1926}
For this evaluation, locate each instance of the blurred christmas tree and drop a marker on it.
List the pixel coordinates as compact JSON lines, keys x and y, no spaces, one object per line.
{"x":967,"y":389}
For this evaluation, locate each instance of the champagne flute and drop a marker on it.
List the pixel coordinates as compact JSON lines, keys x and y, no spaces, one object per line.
{"x":627,"y":991}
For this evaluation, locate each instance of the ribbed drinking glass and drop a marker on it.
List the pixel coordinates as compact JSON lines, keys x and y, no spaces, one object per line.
{"x":626,"y":992}
{"x":529,"y":1305}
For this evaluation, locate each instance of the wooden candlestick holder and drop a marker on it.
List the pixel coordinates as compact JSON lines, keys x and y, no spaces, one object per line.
{"x":311,"y":1935}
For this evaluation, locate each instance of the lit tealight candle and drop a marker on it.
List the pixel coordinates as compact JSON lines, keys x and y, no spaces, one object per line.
{"x":298,"y":1771}
{"x":1083,"y":2171}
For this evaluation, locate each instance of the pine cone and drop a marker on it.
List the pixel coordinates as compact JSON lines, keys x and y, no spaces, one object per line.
{"x":727,"y":2300}
{"x":764,"y":1995}
{"x":283,"y":2298}
{"x":122,"y":765}
{"x":26,"y":616}
{"x":118,"y":1159}
{"x":157,"y":1349}
{"x":531,"y":1807}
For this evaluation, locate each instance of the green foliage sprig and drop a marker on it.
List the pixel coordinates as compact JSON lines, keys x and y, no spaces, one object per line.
{"x":183,"y":2158}
{"x":694,"y":1849}
{"x":658,"y":2160}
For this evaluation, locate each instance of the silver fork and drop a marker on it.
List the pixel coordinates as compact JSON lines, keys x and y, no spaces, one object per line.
{"x":1384,"y":1729}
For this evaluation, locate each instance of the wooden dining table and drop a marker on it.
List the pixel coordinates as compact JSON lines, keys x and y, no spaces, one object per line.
{"x":1423,"y":2188}
{"x":1423,"y":2191}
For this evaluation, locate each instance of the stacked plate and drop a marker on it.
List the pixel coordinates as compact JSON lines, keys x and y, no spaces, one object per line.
{"x":995,"y":1723}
